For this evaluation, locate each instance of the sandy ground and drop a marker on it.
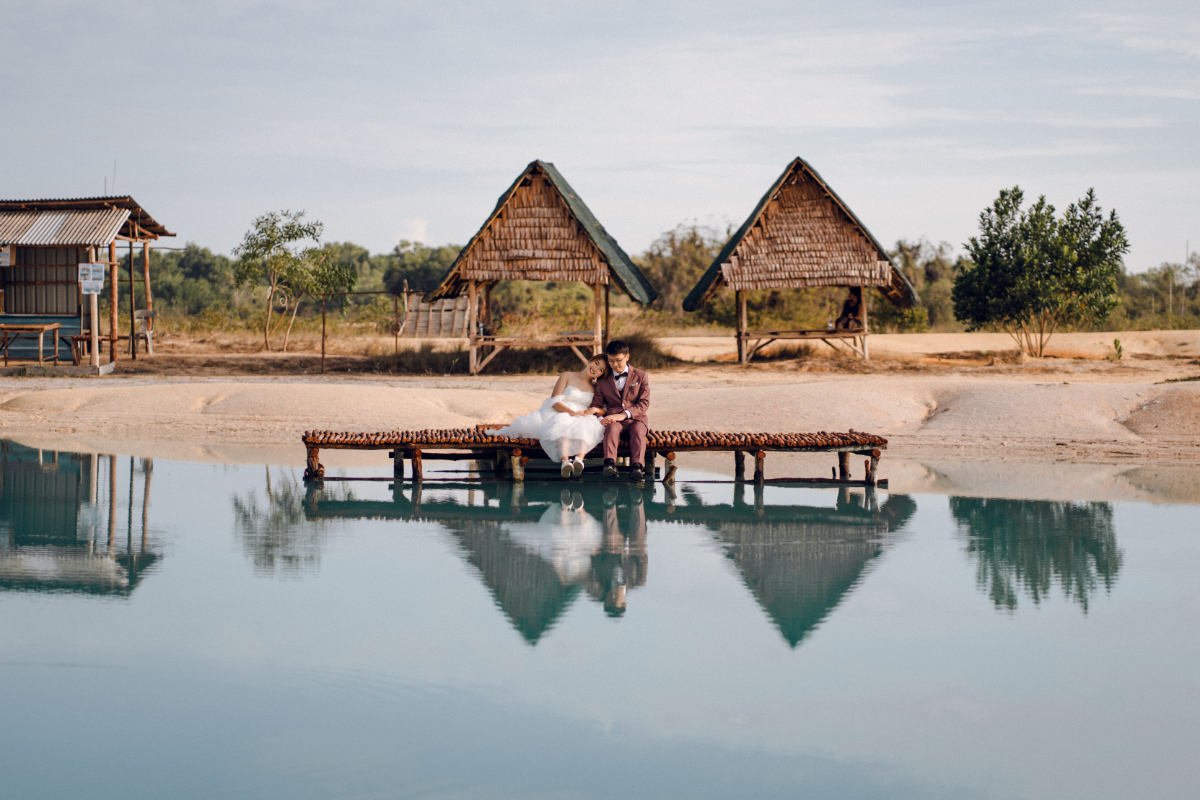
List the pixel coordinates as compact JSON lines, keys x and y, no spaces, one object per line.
{"x":1113,"y":426}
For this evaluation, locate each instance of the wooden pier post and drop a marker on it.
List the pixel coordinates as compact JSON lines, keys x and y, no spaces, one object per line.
{"x":739,"y":465}
{"x":518,"y":464}
{"x":760,"y":476}
{"x":314,"y":471}
{"x":397,"y":464}
{"x":669,"y":475}
{"x":843,"y":466}
{"x":872,"y":465}
{"x":418,"y":472}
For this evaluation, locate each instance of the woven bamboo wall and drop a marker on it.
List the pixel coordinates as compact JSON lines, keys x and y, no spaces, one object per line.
{"x":535,"y":237}
{"x":445,"y":319}
{"x":803,"y":238}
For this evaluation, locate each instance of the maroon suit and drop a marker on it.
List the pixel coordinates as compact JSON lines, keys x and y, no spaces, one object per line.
{"x":636,"y":400}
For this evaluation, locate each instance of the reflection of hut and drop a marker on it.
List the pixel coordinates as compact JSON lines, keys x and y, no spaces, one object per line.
{"x":802,"y":235}
{"x":525,"y":586}
{"x":540,"y":230}
{"x":800,"y":562}
{"x":42,"y":243}
{"x":51,"y":537}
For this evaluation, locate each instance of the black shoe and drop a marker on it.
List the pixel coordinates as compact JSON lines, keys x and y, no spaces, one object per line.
{"x":610,"y":470}
{"x":636,"y":475}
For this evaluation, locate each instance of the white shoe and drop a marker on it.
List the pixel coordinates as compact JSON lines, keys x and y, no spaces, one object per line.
{"x":566,"y":470}
{"x":577,"y":467}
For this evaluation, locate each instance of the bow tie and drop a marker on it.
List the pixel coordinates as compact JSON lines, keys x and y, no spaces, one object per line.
{"x":624,"y":374}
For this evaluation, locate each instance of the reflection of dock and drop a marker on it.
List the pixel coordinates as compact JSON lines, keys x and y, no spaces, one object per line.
{"x":51,"y":534}
{"x":798,"y":561}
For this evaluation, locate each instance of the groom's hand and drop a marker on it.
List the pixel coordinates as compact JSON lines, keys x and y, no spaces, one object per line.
{"x":611,"y":418}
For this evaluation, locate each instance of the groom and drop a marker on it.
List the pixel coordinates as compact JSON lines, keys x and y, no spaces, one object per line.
{"x":624,"y":397}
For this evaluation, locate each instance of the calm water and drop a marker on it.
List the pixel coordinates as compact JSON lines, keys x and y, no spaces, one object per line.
{"x":187,"y":630}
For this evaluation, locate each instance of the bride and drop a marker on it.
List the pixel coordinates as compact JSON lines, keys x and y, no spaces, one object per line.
{"x":566,"y":425}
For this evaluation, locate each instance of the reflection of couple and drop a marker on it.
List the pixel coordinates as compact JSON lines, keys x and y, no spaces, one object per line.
{"x":607,"y":401}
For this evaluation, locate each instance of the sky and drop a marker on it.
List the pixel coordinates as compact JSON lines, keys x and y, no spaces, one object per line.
{"x":406,"y":120}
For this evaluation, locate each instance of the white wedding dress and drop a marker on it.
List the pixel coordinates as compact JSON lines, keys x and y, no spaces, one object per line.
{"x":561,"y":435}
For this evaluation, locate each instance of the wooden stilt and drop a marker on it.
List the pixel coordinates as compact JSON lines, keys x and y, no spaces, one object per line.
{"x":472,"y":332}
{"x":518,"y":464}
{"x":114,"y":274}
{"x":598,"y":321}
{"x":844,"y":466}
{"x":418,"y":472}
{"x":873,"y":466}
{"x":759,"y":508}
{"x":739,"y":465}
{"x":606,"y":311}
{"x":669,"y":474}
{"x":314,"y":471}
{"x":397,"y":464}
{"x":863,"y":294}
{"x":740,"y":300}
{"x":132,"y":307}
{"x":146,"y":281}
{"x":759,"y":473}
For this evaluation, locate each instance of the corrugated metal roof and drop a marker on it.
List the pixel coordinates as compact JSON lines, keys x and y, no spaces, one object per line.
{"x":61,"y":228}
{"x":139,"y":225}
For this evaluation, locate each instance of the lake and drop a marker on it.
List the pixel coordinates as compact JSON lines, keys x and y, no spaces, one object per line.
{"x":174,"y":629}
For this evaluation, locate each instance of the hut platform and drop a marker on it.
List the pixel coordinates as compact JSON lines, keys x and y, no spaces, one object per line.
{"x":854,"y":338}
{"x":510,"y":459}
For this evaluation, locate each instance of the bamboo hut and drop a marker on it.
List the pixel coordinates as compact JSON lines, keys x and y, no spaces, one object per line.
{"x":540,"y":230}
{"x":42,"y":244}
{"x":801,"y":235}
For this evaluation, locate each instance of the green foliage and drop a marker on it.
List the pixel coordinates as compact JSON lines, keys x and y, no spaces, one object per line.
{"x":1031,"y":272}
{"x":931,"y":272}
{"x":421,"y":266}
{"x":675,"y":261}
{"x":272,"y":253}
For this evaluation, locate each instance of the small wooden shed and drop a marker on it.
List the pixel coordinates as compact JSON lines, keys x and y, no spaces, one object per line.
{"x":42,"y":244}
{"x":540,"y":230}
{"x":801,"y":235}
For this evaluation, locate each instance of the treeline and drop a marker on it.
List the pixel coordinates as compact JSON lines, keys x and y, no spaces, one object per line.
{"x":194,"y":289}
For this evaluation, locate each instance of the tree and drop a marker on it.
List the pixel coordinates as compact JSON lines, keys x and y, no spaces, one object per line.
{"x":674,"y":262}
{"x":423,"y":267}
{"x":1031,"y":273}
{"x":271,"y":253}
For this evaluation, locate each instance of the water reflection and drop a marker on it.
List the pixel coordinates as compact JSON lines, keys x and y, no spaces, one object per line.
{"x":54,"y":535}
{"x":538,"y":547}
{"x":1029,"y":545}
{"x":275,"y":534}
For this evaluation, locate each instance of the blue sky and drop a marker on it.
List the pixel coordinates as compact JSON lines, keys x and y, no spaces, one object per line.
{"x":406,"y":120}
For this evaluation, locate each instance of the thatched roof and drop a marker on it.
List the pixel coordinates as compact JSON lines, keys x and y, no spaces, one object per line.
{"x":801,"y":235}
{"x":541,"y":230}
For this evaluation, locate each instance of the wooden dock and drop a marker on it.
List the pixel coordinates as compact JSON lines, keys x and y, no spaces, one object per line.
{"x":510,"y":458}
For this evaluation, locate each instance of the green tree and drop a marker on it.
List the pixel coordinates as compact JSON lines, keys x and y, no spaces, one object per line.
{"x":423,"y":267}
{"x":674,"y":262}
{"x":272,"y":253}
{"x":1032,"y":273}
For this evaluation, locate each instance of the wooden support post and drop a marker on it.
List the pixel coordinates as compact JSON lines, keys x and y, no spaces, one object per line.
{"x":322,"y":334}
{"x":472,"y":333}
{"x":597,"y":321}
{"x":314,"y":471}
{"x":873,"y":466}
{"x":418,"y":471}
{"x":739,"y":465}
{"x":94,"y":318}
{"x":397,"y":464}
{"x":416,"y":494}
{"x":759,"y":507}
{"x":487,"y":304}
{"x":844,"y":466}
{"x":146,"y":281}
{"x":649,"y":465}
{"x":760,"y":475}
{"x":112,"y":307}
{"x":132,"y":308}
{"x":740,"y":300}
{"x":518,"y":465}
{"x":606,"y":311}
{"x":396,"y":331}
{"x":669,"y":475}
{"x":863,"y":305}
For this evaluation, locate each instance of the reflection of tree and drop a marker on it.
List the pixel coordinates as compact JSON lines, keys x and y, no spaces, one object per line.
{"x":1030,"y":544}
{"x":278,"y":538}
